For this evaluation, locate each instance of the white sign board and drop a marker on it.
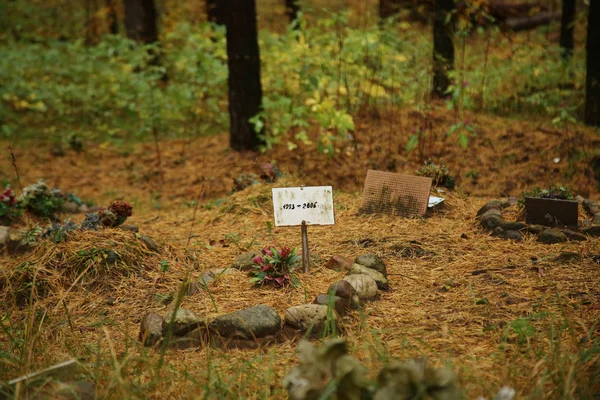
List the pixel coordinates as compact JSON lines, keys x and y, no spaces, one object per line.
{"x":310,"y":204}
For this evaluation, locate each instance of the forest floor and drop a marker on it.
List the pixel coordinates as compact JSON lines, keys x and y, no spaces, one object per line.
{"x":440,"y":267}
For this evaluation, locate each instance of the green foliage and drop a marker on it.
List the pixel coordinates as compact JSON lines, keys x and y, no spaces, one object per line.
{"x":41,"y":201}
{"x":439,"y":174}
{"x":463,"y":131}
{"x":109,"y":90}
{"x":164,"y":266}
{"x":57,"y":232}
{"x":274,"y":267}
{"x":553,"y":192}
{"x":314,"y":80}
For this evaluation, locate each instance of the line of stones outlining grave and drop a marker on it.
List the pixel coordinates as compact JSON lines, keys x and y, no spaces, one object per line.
{"x":261,"y":325}
{"x":490,"y":219}
{"x":366,"y":276}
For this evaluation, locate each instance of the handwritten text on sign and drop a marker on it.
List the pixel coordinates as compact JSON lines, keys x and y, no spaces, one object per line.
{"x":312,"y":204}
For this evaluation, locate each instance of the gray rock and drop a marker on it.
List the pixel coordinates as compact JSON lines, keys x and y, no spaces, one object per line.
{"x":574,"y":236}
{"x":535,"y":229}
{"x":507,"y":234}
{"x":151,"y":329}
{"x":340,"y":304}
{"x":513,"y":235}
{"x":490,"y":205}
{"x":550,"y":236}
{"x":364,"y":285}
{"x":592,"y":231}
{"x":207,"y":278}
{"x":567,"y":257}
{"x":491,"y":220}
{"x":255,"y":322}
{"x":342,"y":289}
{"x":71,"y":207}
{"x":193,"y":339}
{"x":3,"y":235}
{"x":150,"y":243}
{"x":513,"y":226}
{"x":596,"y":219}
{"x":493,"y":211}
{"x":244,"y":262}
{"x":184,"y":322}
{"x":591,"y":206}
{"x":339,"y":263}
{"x":380,"y":280}
{"x":579,"y":199}
{"x":130,"y":228}
{"x":372,"y":261}
{"x":313,"y":317}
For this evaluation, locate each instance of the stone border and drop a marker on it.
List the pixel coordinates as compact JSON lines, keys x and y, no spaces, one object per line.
{"x":261,"y":325}
{"x":490,"y":218}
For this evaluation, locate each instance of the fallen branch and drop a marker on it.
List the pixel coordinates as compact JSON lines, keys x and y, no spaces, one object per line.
{"x":524,"y":23}
{"x":500,"y":10}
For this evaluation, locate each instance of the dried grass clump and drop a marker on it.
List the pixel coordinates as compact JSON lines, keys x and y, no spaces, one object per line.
{"x":89,"y":259}
{"x":255,"y":199}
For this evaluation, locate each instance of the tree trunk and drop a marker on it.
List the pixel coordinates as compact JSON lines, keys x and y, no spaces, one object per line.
{"x":567,"y":26}
{"x":592,"y":81}
{"x":292,"y":9}
{"x":443,"y":46}
{"x":388,"y":8}
{"x":243,"y":59}
{"x":140,"y":21}
{"x":214,"y":12}
{"x":141,"y":25}
{"x":92,"y":28}
{"x":112,"y":16}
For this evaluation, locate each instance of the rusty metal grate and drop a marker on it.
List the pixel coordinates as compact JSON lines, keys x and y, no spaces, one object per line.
{"x":395,"y":194}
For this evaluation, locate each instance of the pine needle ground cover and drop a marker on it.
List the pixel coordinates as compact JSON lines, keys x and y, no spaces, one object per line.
{"x":498,"y":312}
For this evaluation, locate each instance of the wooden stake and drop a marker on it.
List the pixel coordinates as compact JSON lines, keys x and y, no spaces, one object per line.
{"x":305,"y":255}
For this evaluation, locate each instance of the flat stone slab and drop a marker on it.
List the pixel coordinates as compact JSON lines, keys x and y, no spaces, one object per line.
{"x":307,"y":317}
{"x":372,"y":261}
{"x":255,"y":322}
{"x":151,"y":329}
{"x":364,"y":285}
{"x":184,"y":322}
{"x":380,"y":280}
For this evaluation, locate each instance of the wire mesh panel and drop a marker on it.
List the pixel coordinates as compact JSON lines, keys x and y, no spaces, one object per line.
{"x":390,"y":193}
